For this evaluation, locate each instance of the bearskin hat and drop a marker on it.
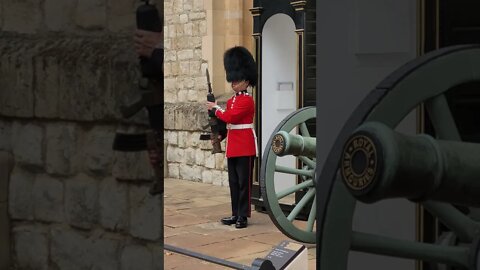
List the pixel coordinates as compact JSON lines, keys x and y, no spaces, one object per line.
{"x":239,"y":65}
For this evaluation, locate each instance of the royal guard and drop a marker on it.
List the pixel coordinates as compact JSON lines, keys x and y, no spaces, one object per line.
{"x":241,"y":146}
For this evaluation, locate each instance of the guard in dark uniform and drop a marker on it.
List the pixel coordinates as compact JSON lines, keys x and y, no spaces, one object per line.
{"x":241,"y":145}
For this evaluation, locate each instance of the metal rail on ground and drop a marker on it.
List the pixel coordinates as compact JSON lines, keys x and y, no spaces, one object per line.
{"x":207,"y":258}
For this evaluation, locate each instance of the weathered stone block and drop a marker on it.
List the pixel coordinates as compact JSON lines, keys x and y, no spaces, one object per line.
{"x":198,"y":5}
{"x":184,"y":67}
{"x":136,"y":257}
{"x":187,"y":6}
{"x":48,"y":199}
{"x":185,"y":54}
{"x":91,"y":14}
{"x":169,"y":117}
{"x":87,"y":84}
{"x":113,"y":204}
{"x":1,"y":15}
{"x":188,"y":30}
{"x":225,"y":178}
{"x":225,"y":183}
{"x":220,"y":161}
{"x":200,"y":157}
{"x":5,"y":229}
{"x":73,"y":250}
{"x":170,"y":96}
{"x":104,"y":251}
{"x":174,"y":154}
{"x":62,"y":148}
{"x":158,"y":257}
{"x":171,"y":137}
{"x":194,"y":95}
{"x":169,"y":84}
{"x":75,"y":78}
{"x":22,"y":16}
{"x":58,"y":14}
{"x":132,"y":166}
{"x":81,"y":201}
{"x":121,"y":15}
{"x":196,"y":69}
{"x":190,"y":83}
{"x":189,"y":158}
{"x":174,"y":170}
{"x":195,"y":16}
{"x":210,"y":161}
{"x":183,"y":18}
{"x":5,"y":136}
{"x":190,"y":116}
{"x":189,"y":172}
{"x":202,"y":28}
{"x":170,"y":56}
{"x":182,"y":139}
{"x":47,"y":83}
{"x":6,"y":167}
{"x":182,"y":96}
{"x":194,"y":139}
{"x":98,"y":150}
{"x":20,"y":201}
{"x":207,"y":177}
{"x":27,"y":143}
{"x":145,"y":214}
{"x":205,"y":145}
{"x":69,"y":249}
{"x":178,"y":7}
{"x":217,"y":178}
{"x":16,"y":82}
{"x":203,"y":81}
{"x":105,"y":78}
{"x":31,"y":247}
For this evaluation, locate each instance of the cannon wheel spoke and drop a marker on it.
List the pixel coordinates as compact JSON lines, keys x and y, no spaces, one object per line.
{"x":286,"y":223}
{"x":382,"y":245}
{"x":463,"y":226}
{"x":389,"y":103}
{"x":442,"y":118}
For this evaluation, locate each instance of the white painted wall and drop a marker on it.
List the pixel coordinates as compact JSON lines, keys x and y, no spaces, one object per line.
{"x":279,"y":95}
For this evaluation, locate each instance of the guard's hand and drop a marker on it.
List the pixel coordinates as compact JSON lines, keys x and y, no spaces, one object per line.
{"x":210,"y":105}
{"x":154,"y":157}
{"x":147,"y":41}
{"x":219,"y":139}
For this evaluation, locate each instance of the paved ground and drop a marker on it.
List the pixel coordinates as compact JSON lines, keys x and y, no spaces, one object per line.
{"x":192,"y":214}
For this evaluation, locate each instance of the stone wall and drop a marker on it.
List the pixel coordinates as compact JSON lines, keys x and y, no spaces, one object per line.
{"x":74,"y":203}
{"x":196,"y":35}
{"x":186,"y":60}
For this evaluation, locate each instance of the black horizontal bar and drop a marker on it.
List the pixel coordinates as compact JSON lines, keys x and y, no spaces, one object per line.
{"x":207,"y":258}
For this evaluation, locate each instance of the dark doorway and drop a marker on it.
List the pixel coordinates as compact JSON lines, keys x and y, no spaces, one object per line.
{"x":447,"y":23}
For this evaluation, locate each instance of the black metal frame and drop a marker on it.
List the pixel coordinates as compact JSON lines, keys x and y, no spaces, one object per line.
{"x":262,"y":11}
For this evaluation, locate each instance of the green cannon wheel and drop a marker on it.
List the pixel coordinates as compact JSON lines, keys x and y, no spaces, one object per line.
{"x":270,"y":181}
{"x":422,"y":81}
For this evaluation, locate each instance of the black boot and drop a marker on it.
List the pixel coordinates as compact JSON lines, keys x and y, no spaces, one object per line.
{"x":229,"y":220}
{"x":241,"y":222}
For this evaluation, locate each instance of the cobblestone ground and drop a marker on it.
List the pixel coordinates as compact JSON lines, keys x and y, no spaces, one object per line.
{"x":192,"y":214}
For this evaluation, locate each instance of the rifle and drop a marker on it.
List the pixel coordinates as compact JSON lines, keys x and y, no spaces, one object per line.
{"x":151,"y":88}
{"x":217,"y":126}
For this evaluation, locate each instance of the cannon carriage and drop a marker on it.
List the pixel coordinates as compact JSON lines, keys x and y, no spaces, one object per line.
{"x":369,"y":162}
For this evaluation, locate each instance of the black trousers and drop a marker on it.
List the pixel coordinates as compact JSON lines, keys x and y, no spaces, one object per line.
{"x":240,"y":177}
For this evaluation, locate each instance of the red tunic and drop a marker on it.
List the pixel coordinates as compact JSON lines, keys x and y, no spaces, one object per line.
{"x":241,"y":139}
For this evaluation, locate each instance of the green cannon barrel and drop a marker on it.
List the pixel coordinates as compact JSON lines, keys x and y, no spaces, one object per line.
{"x":378,"y":163}
{"x":284,"y":143}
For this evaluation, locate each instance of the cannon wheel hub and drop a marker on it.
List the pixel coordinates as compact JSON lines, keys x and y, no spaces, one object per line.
{"x":278,"y":144}
{"x":359,"y":162}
